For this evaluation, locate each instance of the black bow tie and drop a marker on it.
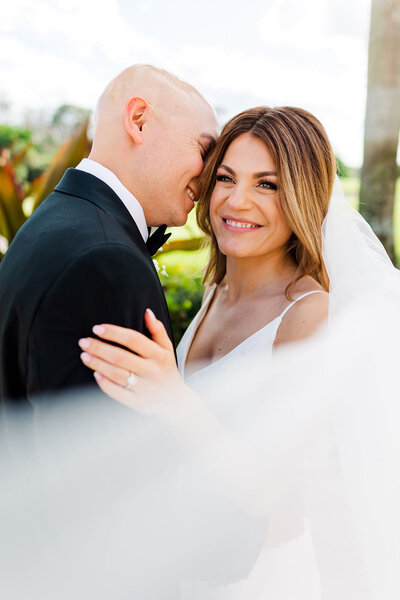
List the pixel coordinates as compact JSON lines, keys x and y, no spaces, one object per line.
{"x":157,"y":239}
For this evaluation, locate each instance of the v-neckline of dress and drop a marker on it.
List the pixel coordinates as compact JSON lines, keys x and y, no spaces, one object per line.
{"x":196,"y":324}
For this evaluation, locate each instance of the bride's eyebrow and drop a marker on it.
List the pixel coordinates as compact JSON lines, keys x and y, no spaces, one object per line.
{"x":264,"y":174}
{"x":255,"y":175}
{"x":231,"y":171}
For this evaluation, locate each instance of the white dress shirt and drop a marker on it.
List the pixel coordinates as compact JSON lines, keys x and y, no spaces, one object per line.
{"x":128,"y":199}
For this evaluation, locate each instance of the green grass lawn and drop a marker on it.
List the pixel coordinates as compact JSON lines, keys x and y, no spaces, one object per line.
{"x":194,"y":261}
{"x":351,"y":187}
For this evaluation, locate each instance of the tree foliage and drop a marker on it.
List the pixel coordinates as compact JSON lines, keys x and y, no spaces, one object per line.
{"x":14,"y":136}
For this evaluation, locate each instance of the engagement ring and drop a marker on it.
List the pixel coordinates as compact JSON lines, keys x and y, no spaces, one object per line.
{"x":131,"y":380}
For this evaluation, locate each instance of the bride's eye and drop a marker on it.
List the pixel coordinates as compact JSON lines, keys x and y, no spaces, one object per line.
{"x":224,"y":178}
{"x":268,"y":185}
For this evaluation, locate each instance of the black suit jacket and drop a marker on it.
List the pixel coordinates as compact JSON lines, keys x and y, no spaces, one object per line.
{"x":79,"y":260}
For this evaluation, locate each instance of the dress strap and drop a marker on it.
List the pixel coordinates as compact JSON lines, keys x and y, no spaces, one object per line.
{"x":300,"y":298}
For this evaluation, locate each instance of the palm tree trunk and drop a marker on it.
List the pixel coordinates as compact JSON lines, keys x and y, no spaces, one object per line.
{"x":382,"y":121}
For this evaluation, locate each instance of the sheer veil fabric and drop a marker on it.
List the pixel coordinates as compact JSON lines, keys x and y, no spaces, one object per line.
{"x":99,"y":502}
{"x":358,"y":266}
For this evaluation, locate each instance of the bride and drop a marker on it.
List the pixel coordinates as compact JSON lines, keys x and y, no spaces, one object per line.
{"x":280,"y":240}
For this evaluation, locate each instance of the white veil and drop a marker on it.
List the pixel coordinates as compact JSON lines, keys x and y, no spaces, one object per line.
{"x":365,"y":328}
{"x":357,"y":263}
{"x":98,"y":502}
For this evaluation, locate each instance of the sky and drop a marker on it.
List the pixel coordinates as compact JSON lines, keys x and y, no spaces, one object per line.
{"x":307,"y":53}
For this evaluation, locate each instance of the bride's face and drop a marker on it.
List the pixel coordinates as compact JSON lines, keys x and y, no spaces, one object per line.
{"x":244,"y":206}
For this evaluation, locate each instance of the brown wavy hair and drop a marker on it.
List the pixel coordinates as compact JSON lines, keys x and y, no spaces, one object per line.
{"x":306,"y":168}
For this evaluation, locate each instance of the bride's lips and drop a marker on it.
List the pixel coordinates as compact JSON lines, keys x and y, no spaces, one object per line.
{"x":239,"y":225}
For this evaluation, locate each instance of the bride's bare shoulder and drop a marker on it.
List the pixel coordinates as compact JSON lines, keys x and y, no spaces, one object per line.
{"x":306,"y":315}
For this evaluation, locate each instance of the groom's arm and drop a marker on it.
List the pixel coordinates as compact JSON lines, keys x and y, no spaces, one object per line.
{"x":107,"y":284}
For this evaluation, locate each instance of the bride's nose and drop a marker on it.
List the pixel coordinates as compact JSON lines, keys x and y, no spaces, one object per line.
{"x":239,"y":199}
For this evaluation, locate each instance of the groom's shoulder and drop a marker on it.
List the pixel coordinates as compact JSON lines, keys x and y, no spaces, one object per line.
{"x":58,"y":227}
{"x":68,"y":230}
{"x":70,"y":222}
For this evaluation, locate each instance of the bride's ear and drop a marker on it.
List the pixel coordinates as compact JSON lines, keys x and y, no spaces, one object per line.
{"x":135,"y":118}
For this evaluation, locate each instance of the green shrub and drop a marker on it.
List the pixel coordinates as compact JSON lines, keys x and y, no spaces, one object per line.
{"x":184,"y":293}
{"x":14,"y":136}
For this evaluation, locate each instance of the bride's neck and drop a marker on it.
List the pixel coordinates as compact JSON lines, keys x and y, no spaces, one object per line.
{"x":247,"y":277}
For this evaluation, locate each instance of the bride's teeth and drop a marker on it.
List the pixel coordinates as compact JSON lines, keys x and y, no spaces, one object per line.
{"x":240,"y":225}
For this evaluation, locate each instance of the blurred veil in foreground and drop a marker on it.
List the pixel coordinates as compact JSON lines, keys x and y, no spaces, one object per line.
{"x":99,"y":502}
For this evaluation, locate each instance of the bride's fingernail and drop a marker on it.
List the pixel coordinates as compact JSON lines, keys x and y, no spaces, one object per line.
{"x":84,"y":343}
{"x":85,"y":357}
{"x":98,"y":329}
{"x":97,"y":376}
{"x":151,"y":314}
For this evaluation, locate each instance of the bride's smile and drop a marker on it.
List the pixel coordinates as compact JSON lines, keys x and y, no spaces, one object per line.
{"x":239,"y":225}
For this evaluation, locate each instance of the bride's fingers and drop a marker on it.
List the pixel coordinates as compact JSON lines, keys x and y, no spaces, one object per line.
{"x":115,"y":391}
{"x":113,"y":355}
{"x":134,"y":340}
{"x":157,"y":330}
{"x":113,"y":373}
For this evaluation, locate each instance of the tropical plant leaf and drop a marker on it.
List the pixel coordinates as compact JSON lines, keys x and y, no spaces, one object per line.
{"x":5,"y":229}
{"x":68,"y":155}
{"x":11,"y":197}
{"x":18,"y":157}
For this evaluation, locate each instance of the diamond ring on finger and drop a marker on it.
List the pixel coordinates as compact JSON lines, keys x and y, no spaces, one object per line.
{"x":131,"y":381}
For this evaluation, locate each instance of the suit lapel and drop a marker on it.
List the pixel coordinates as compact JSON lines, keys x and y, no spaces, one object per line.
{"x":88,"y":187}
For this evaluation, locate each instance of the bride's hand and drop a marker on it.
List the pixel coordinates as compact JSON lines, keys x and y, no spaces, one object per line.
{"x":142,"y":376}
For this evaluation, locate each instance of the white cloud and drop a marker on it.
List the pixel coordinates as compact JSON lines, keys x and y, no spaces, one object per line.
{"x":81,"y":28}
{"x":44,"y":79}
{"x":310,"y":53}
{"x":67,"y":52}
{"x":322,"y":50}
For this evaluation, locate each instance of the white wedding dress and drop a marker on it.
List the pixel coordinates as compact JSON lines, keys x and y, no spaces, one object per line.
{"x":260,"y":342}
{"x":284,"y":570}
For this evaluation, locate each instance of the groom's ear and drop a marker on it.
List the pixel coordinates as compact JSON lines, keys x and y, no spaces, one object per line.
{"x":135,"y":118}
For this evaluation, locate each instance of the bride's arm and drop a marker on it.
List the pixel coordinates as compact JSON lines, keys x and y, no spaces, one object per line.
{"x":160,"y":391}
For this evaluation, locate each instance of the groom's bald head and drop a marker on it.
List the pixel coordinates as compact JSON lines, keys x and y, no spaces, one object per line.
{"x":156,"y":83}
{"x":152,"y":130}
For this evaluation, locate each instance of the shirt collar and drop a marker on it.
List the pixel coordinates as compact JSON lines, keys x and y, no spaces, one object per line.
{"x":126,"y":197}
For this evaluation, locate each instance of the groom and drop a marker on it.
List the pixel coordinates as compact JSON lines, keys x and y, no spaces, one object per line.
{"x":84,"y":257}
